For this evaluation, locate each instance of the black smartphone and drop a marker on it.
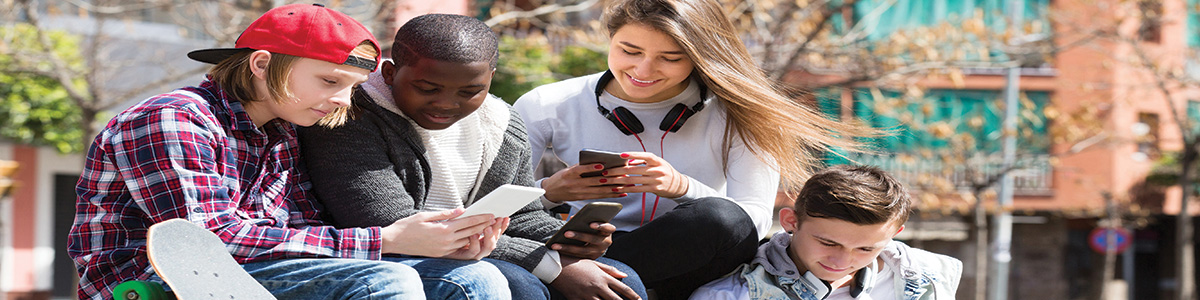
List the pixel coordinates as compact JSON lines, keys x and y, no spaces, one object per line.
{"x":582,"y":221}
{"x":608,"y":159}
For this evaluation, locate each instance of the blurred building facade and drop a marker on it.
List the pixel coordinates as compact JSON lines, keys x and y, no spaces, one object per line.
{"x":1093,"y":124}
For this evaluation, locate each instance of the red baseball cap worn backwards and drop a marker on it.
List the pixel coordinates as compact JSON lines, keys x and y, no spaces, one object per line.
{"x":310,"y":31}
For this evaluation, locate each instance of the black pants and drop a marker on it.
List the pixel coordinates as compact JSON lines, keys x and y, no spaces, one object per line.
{"x":697,"y":242}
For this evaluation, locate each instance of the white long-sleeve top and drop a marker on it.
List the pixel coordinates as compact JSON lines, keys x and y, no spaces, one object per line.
{"x":563,"y":116}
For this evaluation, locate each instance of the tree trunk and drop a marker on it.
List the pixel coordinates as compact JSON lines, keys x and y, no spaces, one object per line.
{"x":1110,"y":247}
{"x":1186,"y":270}
{"x":981,"y":248}
{"x":88,"y":124}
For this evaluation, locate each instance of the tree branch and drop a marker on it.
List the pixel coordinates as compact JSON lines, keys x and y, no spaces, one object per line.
{"x":59,"y":70}
{"x":1161,"y":84}
{"x":542,"y":10}
{"x":153,"y":85}
{"x":124,"y":8}
{"x":790,"y":63}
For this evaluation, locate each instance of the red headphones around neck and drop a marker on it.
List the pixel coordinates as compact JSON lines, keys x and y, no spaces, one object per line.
{"x":629,"y":123}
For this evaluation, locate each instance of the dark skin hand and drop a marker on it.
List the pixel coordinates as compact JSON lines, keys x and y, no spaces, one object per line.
{"x":588,"y":279}
{"x":597,"y":243}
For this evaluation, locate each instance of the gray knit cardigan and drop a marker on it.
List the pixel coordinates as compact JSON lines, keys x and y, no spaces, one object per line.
{"x":372,"y":171}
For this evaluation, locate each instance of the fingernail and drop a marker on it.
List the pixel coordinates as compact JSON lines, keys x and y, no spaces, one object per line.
{"x":624,"y":194}
{"x":614,"y":189}
{"x":556,"y":247}
{"x":597,"y":167}
{"x":605,"y":173}
{"x":623,"y":155}
{"x":629,"y":162}
{"x":569,"y":234}
{"x":602,"y":180}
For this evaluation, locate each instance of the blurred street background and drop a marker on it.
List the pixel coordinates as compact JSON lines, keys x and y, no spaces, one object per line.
{"x":1052,"y":145}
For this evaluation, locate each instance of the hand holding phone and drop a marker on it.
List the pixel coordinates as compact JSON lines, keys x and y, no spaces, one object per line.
{"x":607,"y":158}
{"x":591,"y":213}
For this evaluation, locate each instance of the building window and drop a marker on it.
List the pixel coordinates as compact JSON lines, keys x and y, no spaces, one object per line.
{"x":1150,"y":29}
{"x":1145,"y":134}
{"x":881,"y":19}
{"x":1193,"y":111}
{"x":951,"y":119}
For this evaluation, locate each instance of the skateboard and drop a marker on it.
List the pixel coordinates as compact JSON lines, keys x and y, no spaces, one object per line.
{"x":195,"y":264}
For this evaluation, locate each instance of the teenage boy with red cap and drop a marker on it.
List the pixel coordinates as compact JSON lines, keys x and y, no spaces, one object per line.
{"x":224,"y":155}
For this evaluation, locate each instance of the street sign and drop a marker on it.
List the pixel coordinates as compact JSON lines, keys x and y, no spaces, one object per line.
{"x":1099,"y":239}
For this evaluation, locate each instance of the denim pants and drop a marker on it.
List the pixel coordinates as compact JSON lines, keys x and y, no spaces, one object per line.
{"x":457,"y":279}
{"x":525,"y":285}
{"x":697,"y":242}
{"x":392,"y":278}
{"x":336,"y":278}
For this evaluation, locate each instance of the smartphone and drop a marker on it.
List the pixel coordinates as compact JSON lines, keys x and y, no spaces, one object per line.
{"x":582,"y":221}
{"x":608,"y":159}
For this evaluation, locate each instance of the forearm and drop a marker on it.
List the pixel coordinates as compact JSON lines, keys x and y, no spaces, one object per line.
{"x":252,"y":243}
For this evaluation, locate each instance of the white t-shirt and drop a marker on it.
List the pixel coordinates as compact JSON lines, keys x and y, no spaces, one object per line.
{"x":884,"y":287}
{"x":564,"y":115}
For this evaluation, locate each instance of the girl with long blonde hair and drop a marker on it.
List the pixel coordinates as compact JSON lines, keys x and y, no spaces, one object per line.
{"x":717,"y":141}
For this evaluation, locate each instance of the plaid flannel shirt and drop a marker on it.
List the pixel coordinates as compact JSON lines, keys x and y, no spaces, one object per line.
{"x":195,"y":154}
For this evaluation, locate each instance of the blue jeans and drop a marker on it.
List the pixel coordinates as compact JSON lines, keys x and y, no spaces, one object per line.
{"x":457,"y":279}
{"x":526,"y":286}
{"x":336,"y":278}
{"x":392,"y":278}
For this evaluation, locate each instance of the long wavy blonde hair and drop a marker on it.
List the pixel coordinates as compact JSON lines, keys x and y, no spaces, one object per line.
{"x":790,"y":134}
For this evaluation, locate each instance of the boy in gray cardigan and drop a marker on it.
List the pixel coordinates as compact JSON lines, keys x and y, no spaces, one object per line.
{"x":425,"y":135}
{"x":838,"y":245}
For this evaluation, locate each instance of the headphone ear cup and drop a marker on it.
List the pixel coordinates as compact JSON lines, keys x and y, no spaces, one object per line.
{"x":675,"y":118}
{"x":625,"y":121}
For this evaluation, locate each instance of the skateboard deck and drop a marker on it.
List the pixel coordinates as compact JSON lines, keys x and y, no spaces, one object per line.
{"x":195,"y":264}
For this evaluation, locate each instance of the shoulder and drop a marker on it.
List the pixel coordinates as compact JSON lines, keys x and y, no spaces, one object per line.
{"x":495,"y":109}
{"x":907,"y":257}
{"x":497,"y":116}
{"x":368,"y":123}
{"x":183,"y":105}
{"x":553,"y":94}
{"x":188,"y":99}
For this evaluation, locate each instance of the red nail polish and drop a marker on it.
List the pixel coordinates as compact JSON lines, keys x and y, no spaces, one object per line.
{"x":605,"y":173}
{"x":623,"y":155}
{"x":614,"y":189}
{"x":597,"y":167}
{"x":602,"y":180}
{"x":624,"y":194}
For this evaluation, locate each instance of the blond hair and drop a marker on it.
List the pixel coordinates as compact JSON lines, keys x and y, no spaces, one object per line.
{"x":775,"y":127}
{"x":234,"y":76}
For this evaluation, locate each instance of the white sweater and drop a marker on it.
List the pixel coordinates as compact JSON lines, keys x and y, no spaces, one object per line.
{"x":563,"y":116}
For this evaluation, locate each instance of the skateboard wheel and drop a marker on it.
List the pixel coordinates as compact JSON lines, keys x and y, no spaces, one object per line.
{"x":140,"y":290}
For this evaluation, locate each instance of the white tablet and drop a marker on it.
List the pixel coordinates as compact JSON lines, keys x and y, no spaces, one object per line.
{"x":504,"y":201}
